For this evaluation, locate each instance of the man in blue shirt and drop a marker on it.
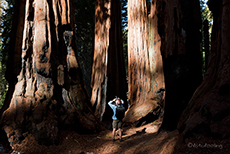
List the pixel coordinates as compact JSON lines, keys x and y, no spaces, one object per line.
{"x":117,"y":123}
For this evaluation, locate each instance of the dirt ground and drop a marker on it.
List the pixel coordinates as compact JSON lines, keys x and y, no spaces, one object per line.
{"x":141,"y":140}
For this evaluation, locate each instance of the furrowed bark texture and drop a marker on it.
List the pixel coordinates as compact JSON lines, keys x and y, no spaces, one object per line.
{"x":49,"y":93}
{"x":208,"y":110}
{"x":179,"y":23}
{"x":108,"y":71}
{"x":145,"y":63}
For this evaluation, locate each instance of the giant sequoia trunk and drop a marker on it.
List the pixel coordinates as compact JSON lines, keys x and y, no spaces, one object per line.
{"x":108,"y":71}
{"x":208,"y":110}
{"x":49,"y":93}
{"x":144,"y":63}
{"x":179,"y":24}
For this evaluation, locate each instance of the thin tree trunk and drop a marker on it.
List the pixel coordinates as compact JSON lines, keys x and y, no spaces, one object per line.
{"x":206,"y":43}
{"x":50,"y":93}
{"x":108,"y":71}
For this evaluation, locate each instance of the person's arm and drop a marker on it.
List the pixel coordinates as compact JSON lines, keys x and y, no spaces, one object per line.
{"x":111,"y":104}
{"x":122,"y":102}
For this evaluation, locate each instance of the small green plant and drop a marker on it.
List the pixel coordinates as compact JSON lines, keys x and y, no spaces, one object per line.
{"x":205,"y":111}
{"x":195,"y":135}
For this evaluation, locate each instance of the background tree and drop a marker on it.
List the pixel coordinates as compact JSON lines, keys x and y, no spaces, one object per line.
{"x":145,"y":65}
{"x":5,"y":29}
{"x":125,"y":49}
{"x":207,"y":21}
{"x":8,"y":30}
{"x":208,"y":111}
{"x":124,"y":21}
{"x":84,"y":22}
{"x":44,"y":74}
{"x":108,"y":71}
{"x":124,"y":15}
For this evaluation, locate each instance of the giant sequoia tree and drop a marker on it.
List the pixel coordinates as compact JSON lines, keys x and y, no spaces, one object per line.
{"x":208,"y":110}
{"x":108,"y":70}
{"x":179,"y":24}
{"x":145,"y":63}
{"x":164,"y":39}
{"x":44,"y":75}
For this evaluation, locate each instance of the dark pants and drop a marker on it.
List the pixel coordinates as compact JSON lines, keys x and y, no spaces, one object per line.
{"x":117,"y":124}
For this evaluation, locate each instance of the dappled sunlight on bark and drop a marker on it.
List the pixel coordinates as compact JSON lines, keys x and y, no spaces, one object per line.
{"x":50,"y":94}
{"x":145,"y":61}
{"x":108,"y":71}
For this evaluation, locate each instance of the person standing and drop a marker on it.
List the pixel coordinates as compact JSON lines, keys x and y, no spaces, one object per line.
{"x":118,"y":114}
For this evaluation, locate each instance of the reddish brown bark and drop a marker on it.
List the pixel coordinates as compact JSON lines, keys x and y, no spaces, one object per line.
{"x":208,"y":110}
{"x":108,"y":71}
{"x":145,"y":61}
{"x":50,"y":93}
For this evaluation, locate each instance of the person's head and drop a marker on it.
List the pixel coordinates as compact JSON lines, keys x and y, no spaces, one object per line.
{"x":118,"y":101}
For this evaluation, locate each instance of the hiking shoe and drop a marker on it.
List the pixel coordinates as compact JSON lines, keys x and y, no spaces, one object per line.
{"x":113,"y":139}
{"x":121,"y":140}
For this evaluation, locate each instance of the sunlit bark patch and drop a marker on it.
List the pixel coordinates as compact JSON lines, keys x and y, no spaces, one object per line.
{"x":145,"y":61}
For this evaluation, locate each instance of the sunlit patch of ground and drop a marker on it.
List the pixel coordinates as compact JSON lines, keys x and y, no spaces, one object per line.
{"x":143,"y":139}
{"x":140,"y":140}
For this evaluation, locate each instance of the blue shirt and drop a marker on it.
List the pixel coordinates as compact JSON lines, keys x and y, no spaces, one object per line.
{"x":113,"y":107}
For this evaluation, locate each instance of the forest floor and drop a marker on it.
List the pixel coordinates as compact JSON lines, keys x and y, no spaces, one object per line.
{"x":137,"y":140}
